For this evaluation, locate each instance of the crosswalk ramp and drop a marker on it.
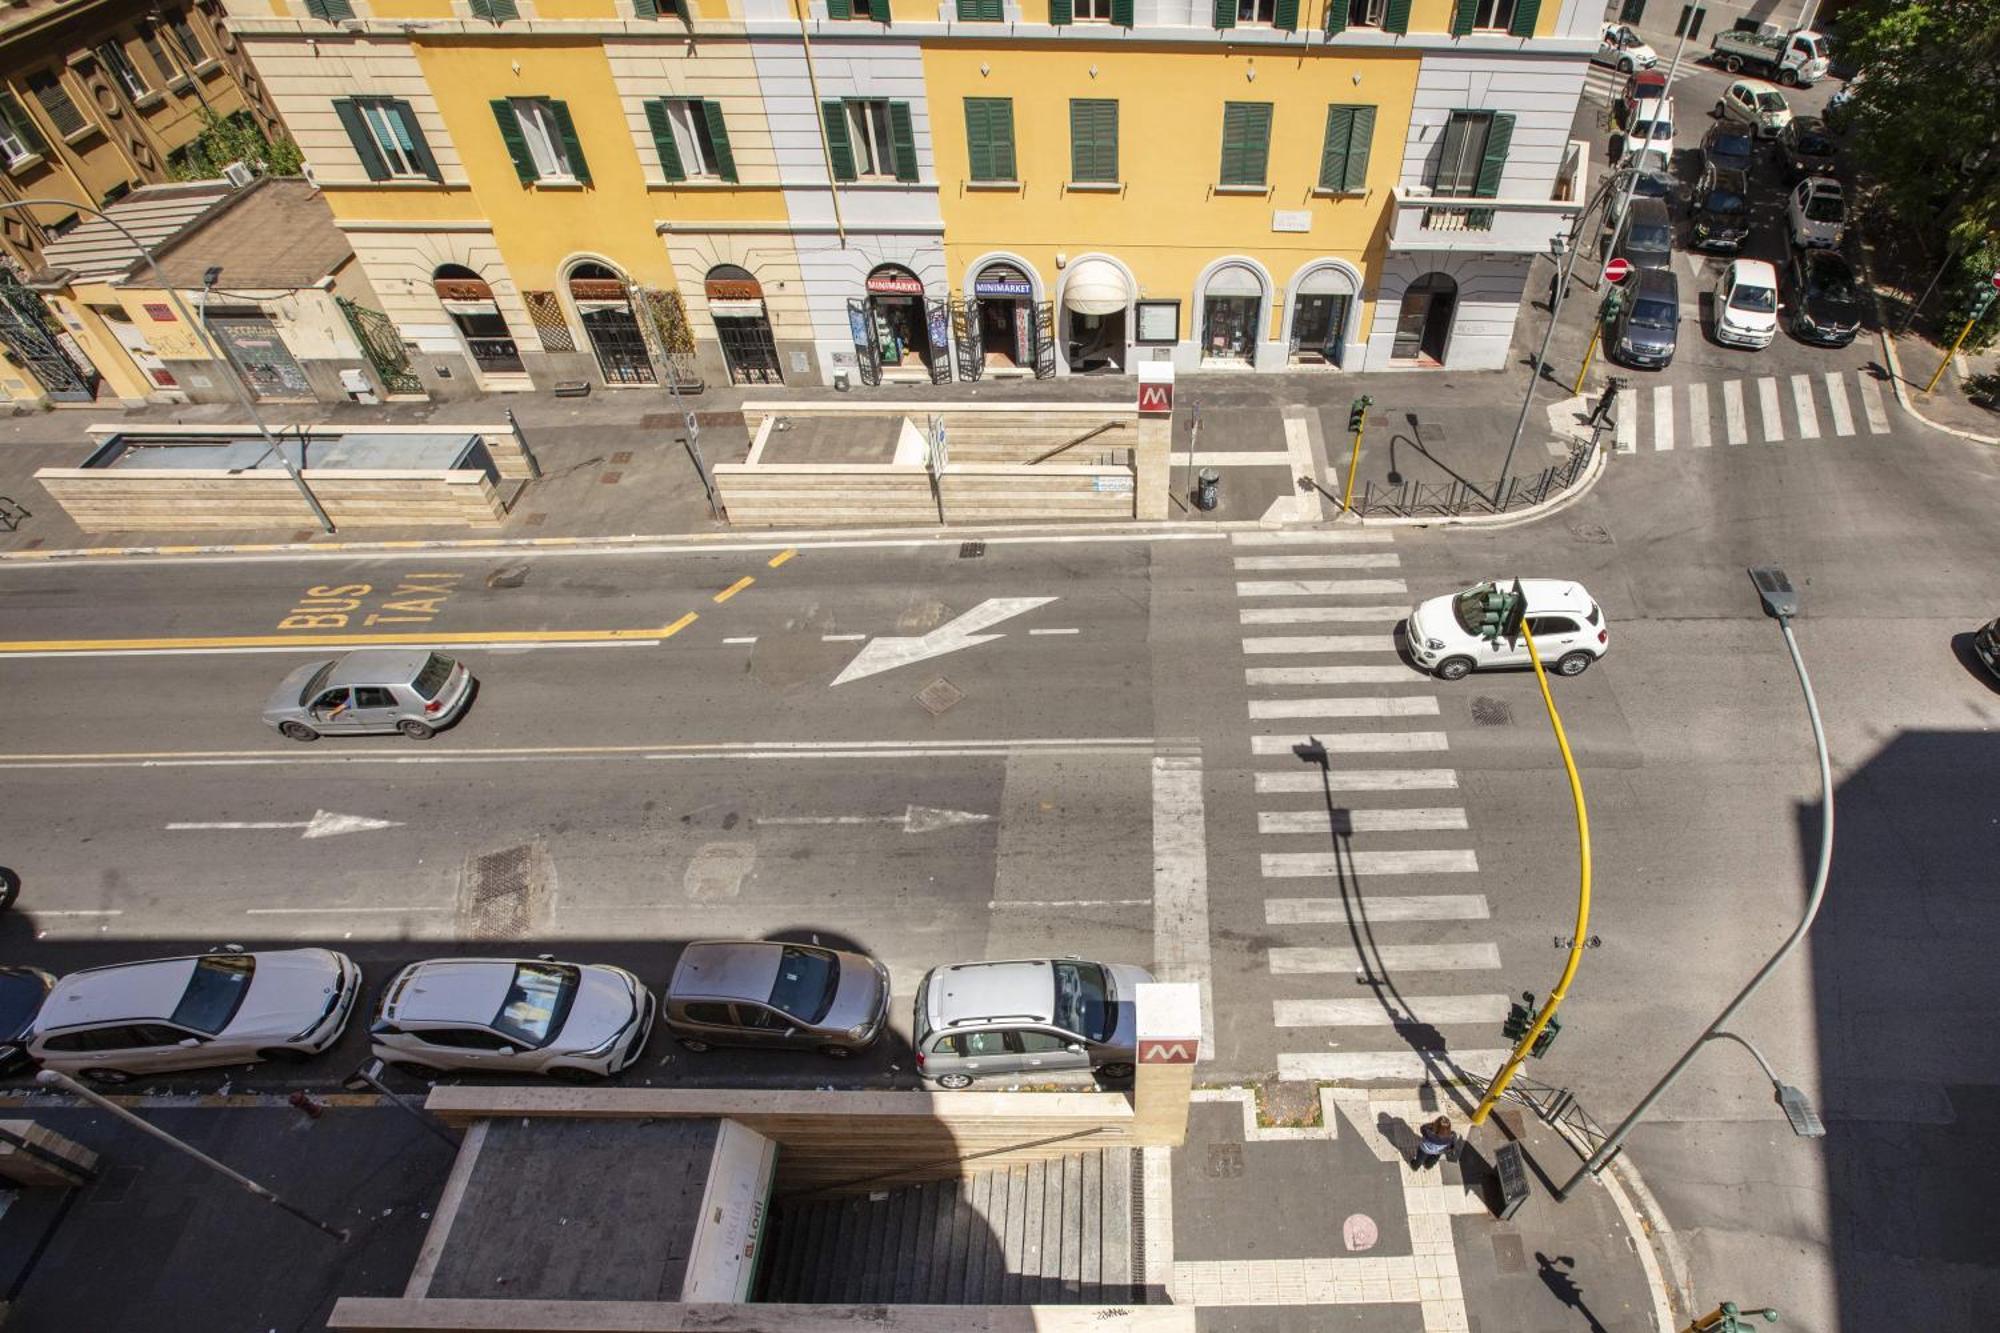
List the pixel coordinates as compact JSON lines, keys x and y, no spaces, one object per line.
{"x":1381,"y":953}
{"x":1769,"y":409}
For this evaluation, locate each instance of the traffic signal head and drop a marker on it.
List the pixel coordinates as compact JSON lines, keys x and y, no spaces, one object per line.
{"x":1357,"y":414}
{"x":1520,"y":1017}
{"x":1546,"y":1037}
{"x":1501,"y":610}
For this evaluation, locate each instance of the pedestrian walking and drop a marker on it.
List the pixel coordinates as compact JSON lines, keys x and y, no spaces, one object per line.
{"x":1436,"y":1141}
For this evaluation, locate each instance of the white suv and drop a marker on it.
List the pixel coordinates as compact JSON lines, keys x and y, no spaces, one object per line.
{"x":1569,"y":630}
{"x":1746,"y":304}
{"x":574,"y":1021}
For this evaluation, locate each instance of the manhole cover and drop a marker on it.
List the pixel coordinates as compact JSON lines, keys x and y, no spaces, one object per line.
{"x":500,"y":893}
{"x":508,"y":576}
{"x":716,"y":871}
{"x":1225,"y":1161}
{"x":939,"y":696}
{"x":1508,"y":1256}
{"x":1491,"y":712}
{"x":971,"y":550}
{"x":1590,"y":532}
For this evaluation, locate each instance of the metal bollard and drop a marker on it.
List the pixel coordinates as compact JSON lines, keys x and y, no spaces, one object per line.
{"x":1208,"y":489}
{"x":304,"y":1103}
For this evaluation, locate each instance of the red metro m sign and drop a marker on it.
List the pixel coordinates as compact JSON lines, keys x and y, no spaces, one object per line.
{"x":1156,"y":388}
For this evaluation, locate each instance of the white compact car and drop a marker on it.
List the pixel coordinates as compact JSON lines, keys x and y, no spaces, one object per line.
{"x":1651,"y":127}
{"x":1746,"y":304}
{"x":575,"y":1021}
{"x":1761,"y":107}
{"x":1817,"y":213}
{"x":1569,"y":630}
{"x":110,"y":1024}
{"x":1620,"y":45}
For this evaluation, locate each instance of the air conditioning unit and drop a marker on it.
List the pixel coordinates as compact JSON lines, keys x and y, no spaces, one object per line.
{"x":238,"y":174}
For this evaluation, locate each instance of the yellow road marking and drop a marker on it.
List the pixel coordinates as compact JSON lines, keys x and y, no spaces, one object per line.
{"x":782,"y":556}
{"x":342,"y":640}
{"x":678,"y":625}
{"x":734,"y":588}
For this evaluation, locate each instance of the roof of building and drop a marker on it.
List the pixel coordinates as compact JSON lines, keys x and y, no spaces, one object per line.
{"x":275,"y":233}
{"x":96,"y":252}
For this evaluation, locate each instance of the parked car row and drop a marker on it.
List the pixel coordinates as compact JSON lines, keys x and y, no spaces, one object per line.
{"x":580,"y":1022}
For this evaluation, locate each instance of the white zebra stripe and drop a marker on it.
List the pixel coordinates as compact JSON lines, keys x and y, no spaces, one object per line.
{"x":1871,"y":403}
{"x":1732,"y":412}
{"x":1663,"y":418}
{"x":1380,"y":1066}
{"x":1698,"y":415}
{"x":1356,"y":779}
{"x":1836,"y":400}
{"x":1307,"y":865}
{"x":1407,"y":705}
{"x":1269,"y":644}
{"x":1311,"y":537}
{"x":1423,"y":1009}
{"x":1355,"y":742}
{"x":1333,"y":675}
{"x":1365,"y":560}
{"x":1802,"y":403}
{"x":1319,"y":587}
{"x":1292,"y":961}
{"x":1311,"y":615}
{"x":1326,"y":822}
{"x":1772,"y":421}
{"x":1376,"y":909}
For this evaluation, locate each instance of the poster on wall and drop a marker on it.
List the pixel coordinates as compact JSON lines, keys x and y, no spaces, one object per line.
{"x":1159,"y":322}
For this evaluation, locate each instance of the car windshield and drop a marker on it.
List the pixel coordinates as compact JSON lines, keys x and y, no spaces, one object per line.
{"x":1815,"y":144}
{"x":432,"y":678}
{"x":311,"y":691}
{"x":1824,"y":208}
{"x":1818,"y":47}
{"x":807,"y":979}
{"x":1594,"y":618}
{"x":1662,"y":130}
{"x":1650,"y":236}
{"x":1084,"y":1001}
{"x":1746,"y":297}
{"x":1832,"y":283}
{"x":536,"y":1002}
{"x":1654,"y":313}
{"x":215,"y":992}
{"x":1651,"y":185}
{"x":1725,"y":201}
{"x":1768,"y":102}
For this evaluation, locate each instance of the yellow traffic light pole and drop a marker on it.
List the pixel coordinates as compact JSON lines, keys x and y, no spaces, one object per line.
{"x":1548,"y":1009}
{"x":1956,"y":344}
{"x":1358,"y":420}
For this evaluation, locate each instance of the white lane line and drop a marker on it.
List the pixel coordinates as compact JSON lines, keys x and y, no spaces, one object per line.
{"x":1376,"y":909}
{"x":77,"y":911}
{"x":1309,"y":615}
{"x":1663,"y":418}
{"x":1072,"y":902}
{"x":1836,"y":400}
{"x":1802,"y":404}
{"x":1411,"y":705}
{"x":748,"y":638}
{"x":1356,"y":779}
{"x":1054,"y":631}
{"x":1365,"y":560}
{"x":1319,"y":587}
{"x":1319,"y":643}
{"x":1333,"y":675}
{"x":1291,"y":961}
{"x":482,"y":646}
{"x":1241,"y":458}
{"x":1698,"y":416}
{"x":1628,"y":428}
{"x":1425,"y":1009}
{"x":1871,"y":403}
{"x":1180,"y":882}
{"x":842,"y":638}
{"x":1406,"y":1066}
{"x":1324,"y":821}
{"x":337,"y":911}
{"x":1732,"y":412}
{"x":1296,"y":537}
{"x":1768,"y":417}
{"x":1303,"y":865}
{"x":1386,"y":742}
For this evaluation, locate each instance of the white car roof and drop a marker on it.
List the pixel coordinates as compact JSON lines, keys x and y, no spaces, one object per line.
{"x":124,"y":991}
{"x":1755,"y":272}
{"x":1648,"y":108}
{"x":1552,"y":595}
{"x":453,"y":990}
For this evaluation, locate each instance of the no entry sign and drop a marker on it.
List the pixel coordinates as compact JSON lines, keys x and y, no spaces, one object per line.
{"x":1617,"y":270}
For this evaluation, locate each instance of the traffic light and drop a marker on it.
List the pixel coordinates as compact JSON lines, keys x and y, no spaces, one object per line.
{"x":1547,"y":1038}
{"x":1501,"y":610}
{"x":1357,"y":414}
{"x":1520,"y":1017}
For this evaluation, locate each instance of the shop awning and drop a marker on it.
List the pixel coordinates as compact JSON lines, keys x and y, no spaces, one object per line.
{"x":1233,"y":280}
{"x":1096,"y":287}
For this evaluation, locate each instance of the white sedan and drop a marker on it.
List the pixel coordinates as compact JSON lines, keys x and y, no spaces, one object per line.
{"x":110,"y":1024}
{"x":1444,"y":633}
{"x":1817,"y":212}
{"x":575,"y":1021}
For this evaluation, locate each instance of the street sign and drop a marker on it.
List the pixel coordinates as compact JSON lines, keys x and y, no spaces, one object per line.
{"x":1996,"y":279}
{"x":940,"y":452}
{"x":1617,"y":270}
{"x":1156,"y":388}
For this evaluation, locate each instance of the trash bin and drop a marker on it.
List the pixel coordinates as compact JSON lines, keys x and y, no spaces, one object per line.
{"x":1207,"y":489}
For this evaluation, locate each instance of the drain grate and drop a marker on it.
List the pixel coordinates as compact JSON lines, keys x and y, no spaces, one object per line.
{"x":1490,"y":712}
{"x":939,"y":696}
{"x":500,"y":893}
{"x":1590,"y":532}
{"x":971,"y":550}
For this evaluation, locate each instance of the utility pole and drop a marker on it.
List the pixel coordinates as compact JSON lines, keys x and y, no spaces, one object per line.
{"x":295,"y":470}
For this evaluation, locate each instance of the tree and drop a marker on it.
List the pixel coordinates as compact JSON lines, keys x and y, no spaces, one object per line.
{"x":235,"y":138}
{"x":1925,"y":129}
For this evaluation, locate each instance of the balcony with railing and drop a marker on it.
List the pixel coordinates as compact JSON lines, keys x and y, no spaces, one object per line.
{"x":1426,"y":221}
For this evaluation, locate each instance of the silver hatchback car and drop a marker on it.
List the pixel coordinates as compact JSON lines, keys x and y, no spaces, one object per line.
{"x":1030,"y":1017}
{"x":769,"y":993}
{"x":372,"y":690}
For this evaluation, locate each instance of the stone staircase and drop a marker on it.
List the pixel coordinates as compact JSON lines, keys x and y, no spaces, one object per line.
{"x":1057,"y":1232}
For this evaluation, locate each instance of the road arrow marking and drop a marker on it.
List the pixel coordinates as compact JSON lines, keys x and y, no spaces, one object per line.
{"x":323,"y":824}
{"x":916,"y":819}
{"x":887,"y":654}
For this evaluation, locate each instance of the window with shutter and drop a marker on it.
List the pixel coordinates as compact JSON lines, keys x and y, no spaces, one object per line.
{"x":387,"y":138}
{"x":330,"y":11}
{"x":511,"y":135}
{"x":1471,"y":14}
{"x":572,"y":148}
{"x":493,"y":11}
{"x":839,"y":9}
{"x":1492,"y":162}
{"x":1396,"y":18}
{"x":665,"y":142}
{"x":989,"y":137}
{"x":1285,"y":15}
{"x":904,"y":136}
{"x":1343,"y":164}
{"x":1093,"y":140}
{"x":19,"y":139}
{"x":1061,"y":12}
{"x":839,"y":146}
{"x":1121,"y":13}
{"x":1462,"y":153}
{"x":1225,"y":13}
{"x":184,"y":37}
{"x":62,"y":112}
{"x":541,"y":139}
{"x":1463,"y":14}
{"x":156,"y":51}
{"x":981,"y":11}
{"x":1525,"y":14}
{"x":718,"y":141}
{"x":1246,"y":142}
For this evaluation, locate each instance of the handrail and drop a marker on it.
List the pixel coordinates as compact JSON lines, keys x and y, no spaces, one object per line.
{"x":941,"y":1161}
{"x":1089,"y":434}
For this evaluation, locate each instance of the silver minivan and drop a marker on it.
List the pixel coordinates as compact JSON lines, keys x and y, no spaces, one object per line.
{"x":371,"y":691}
{"x":1039,"y":1016}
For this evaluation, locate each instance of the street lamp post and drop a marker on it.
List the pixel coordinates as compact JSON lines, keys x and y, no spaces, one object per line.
{"x":208,"y":281}
{"x":1781,"y":603}
{"x":1535,"y":372}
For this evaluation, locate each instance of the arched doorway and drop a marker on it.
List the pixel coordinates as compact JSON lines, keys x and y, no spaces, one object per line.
{"x":1232,"y":315}
{"x":1322,"y":300}
{"x":1095,"y":296}
{"x":468,"y":299}
{"x":1423,"y":327}
{"x":742,"y":325}
{"x":900,"y":322}
{"x":604,"y":305}
{"x":1003,"y":300}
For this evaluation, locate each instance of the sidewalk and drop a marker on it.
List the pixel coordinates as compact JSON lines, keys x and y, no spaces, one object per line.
{"x":1272,"y":1225}
{"x":613,"y":467}
{"x":1913,"y":359}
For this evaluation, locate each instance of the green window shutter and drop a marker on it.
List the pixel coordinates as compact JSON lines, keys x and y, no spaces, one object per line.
{"x":493,"y":11}
{"x":1246,"y":142}
{"x":840,"y":9}
{"x":363,"y":141}
{"x":1061,"y":12}
{"x":1525,"y":14}
{"x":1358,"y":144}
{"x":330,"y":11}
{"x":1121,"y":13}
{"x":1396,"y":18}
{"x":1225,"y":13}
{"x":838,"y":146}
{"x":662,"y":126}
{"x":718,"y":134}
{"x":1498,"y":136}
{"x":414,"y":142}
{"x":1462,"y":14}
{"x":1333,"y":150}
{"x":577,"y":166}
{"x":510,"y":134}
{"x":1093,"y":139}
{"x":879,"y":11}
{"x":1336,"y":17}
{"x":22,"y":125}
{"x":905,"y":140}
{"x":646,"y":9}
{"x":1285,"y":15}
{"x":989,"y":138}
{"x":975,"y":11}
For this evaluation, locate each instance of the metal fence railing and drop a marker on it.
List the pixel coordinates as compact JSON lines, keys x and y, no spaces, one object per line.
{"x":1418,"y":499}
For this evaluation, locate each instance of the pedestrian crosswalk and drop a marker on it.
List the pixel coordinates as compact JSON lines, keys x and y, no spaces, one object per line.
{"x":1380,"y":955}
{"x":1770,"y":409}
{"x":1603,"y":83}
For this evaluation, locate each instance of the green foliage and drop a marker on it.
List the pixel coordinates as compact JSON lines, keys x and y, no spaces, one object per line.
{"x":1969,"y":277}
{"x":234,"y":138}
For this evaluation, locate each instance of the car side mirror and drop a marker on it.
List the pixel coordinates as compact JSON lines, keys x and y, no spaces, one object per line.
{"x":791,"y":1032}
{"x":1074,"y":1049}
{"x":186,"y":1042}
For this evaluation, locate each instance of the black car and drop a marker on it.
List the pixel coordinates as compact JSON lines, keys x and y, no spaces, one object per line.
{"x":1729,"y":145}
{"x":1806,"y":147}
{"x":1646,"y":238}
{"x":22,"y":990}
{"x":1986,"y":644}
{"x":1641,"y":329}
{"x":1824,"y":298}
{"x":1719,"y":210}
